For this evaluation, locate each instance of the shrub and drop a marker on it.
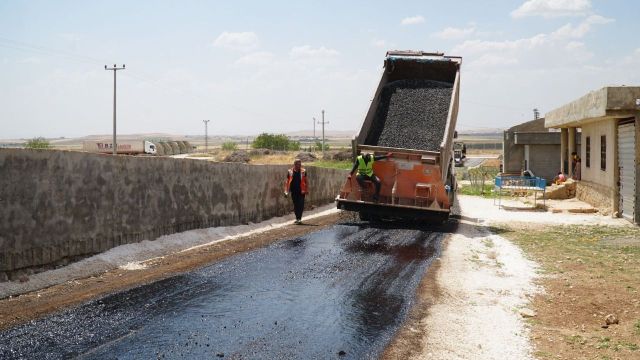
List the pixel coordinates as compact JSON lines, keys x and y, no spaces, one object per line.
{"x":229,"y":145}
{"x":318,"y":146}
{"x":37,"y":143}
{"x":275,"y":142}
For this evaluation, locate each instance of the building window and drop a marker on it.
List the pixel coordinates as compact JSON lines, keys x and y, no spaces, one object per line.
{"x":588,"y":150}
{"x":603,"y":152}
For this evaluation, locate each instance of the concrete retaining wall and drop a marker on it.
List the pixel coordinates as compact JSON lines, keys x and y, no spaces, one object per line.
{"x":56,"y":206}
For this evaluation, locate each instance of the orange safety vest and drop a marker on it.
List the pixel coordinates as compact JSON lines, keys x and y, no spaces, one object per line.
{"x":303,"y":181}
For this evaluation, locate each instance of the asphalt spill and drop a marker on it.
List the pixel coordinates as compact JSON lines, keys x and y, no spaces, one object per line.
{"x":337,"y":293}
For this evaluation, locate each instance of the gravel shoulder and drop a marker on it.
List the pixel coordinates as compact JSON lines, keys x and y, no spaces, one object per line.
{"x":469,"y":303}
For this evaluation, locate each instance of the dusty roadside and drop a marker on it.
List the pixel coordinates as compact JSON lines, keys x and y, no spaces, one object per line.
{"x":468,"y":305}
{"x":19,"y":309}
{"x":528,"y":284}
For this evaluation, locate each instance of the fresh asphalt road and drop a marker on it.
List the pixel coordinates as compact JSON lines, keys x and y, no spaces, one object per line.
{"x":341,"y":292}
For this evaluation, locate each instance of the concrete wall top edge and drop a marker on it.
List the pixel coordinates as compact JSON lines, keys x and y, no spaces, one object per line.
{"x":594,"y":106}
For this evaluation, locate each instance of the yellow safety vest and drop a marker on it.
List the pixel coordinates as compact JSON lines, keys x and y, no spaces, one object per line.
{"x":365,"y":168}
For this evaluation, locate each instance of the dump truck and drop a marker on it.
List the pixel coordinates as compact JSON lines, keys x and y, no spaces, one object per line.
{"x":130,"y":147}
{"x":459,"y":153}
{"x":413,"y":116}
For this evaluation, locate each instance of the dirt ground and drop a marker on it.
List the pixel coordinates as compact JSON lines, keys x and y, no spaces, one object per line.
{"x":589,"y":273}
{"x":20,"y":309}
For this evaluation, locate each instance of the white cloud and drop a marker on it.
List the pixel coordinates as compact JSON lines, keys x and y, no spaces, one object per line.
{"x":256,"y":58}
{"x":243,"y":41}
{"x":413,"y":20}
{"x":569,"y":31}
{"x":552,"y":8}
{"x":454,"y":33}
{"x":309,"y":51}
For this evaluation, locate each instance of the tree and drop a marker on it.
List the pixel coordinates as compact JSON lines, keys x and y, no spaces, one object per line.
{"x":37,"y":143}
{"x":275,"y":142}
{"x":229,"y":145}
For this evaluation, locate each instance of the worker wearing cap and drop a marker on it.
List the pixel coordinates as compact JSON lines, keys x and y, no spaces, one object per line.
{"x":364,"y":166}
{"x":296,"y":185}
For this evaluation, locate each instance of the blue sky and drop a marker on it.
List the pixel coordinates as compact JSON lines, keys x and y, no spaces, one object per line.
{"x":255,"y":66}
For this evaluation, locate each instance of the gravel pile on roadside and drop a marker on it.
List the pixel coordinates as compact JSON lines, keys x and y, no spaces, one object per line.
{"x":257,"y":152}
{"x":239,"y":156}
{"x":411,"y":114}
{"x":306,"y":157}
{"x":342,"y":155}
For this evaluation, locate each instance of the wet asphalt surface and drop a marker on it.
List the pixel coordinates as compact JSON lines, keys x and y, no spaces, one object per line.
{"x":338,"y":293}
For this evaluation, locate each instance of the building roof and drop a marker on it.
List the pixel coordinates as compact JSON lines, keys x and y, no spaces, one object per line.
{"x":536,"y":125}
{"x":605,"y":103}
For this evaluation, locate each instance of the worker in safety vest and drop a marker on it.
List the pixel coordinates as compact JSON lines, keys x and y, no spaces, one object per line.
{"x":296,"y":185}
{"x":364,"y":165}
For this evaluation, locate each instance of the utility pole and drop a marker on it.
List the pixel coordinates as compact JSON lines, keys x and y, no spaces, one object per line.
{"x":206,"y":135}
{"x":314,"y":128}
{"x":323,"y":122}
{"x":115,"y":69}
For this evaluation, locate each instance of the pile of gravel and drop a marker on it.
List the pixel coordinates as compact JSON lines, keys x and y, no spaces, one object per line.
{"x":342,"y":155}
{"x":257,"y":152}
{"x":239,"y":156}
{"x":306,"y":157}
{"x":411,"y":114}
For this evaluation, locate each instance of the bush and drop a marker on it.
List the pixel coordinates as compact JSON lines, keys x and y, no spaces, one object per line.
{"x":318,"y":146}
{"x":37,"y":143}
{"x":229,"y":145}
{"x":275,"y":142}
{"x":479,"y":177}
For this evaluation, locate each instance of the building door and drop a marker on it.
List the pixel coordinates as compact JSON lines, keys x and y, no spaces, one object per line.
{"x":627,"y":166}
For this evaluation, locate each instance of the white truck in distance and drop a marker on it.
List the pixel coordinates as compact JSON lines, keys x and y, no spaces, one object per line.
{"x":131,"y":147}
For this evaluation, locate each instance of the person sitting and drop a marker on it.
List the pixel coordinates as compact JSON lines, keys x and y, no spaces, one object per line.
{"x":560,"y":178}
{"x":364,"y":165}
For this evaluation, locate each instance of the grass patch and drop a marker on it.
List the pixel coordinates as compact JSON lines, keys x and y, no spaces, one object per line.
{"x":486,"y":191}
{"x":333,"y":164}
{"x":636,"y":328}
